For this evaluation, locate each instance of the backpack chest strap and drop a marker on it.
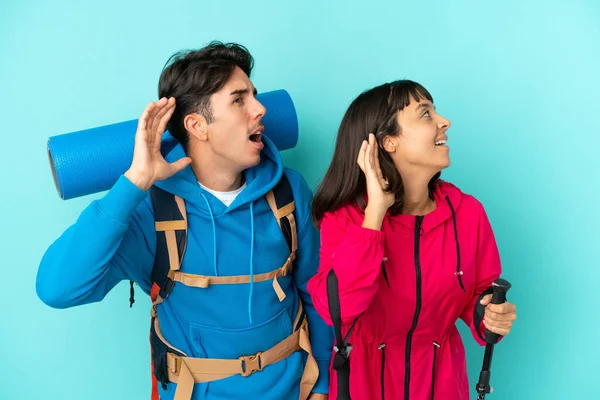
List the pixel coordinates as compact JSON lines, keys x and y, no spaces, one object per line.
{"x":284,"y":215}
{"x":203,"y":281}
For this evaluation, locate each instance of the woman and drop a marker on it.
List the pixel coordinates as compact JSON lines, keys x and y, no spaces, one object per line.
{"x":411,"y":253}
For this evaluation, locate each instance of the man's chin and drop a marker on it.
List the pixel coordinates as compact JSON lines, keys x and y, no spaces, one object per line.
{"x":251,"y":163}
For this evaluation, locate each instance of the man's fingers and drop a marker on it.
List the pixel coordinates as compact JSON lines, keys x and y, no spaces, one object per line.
{"x":143,"y":120}
{"x":165,"y":118}
{"x":148,"y":133}
{"x":180,"y":164}
{"x":152,"y":113}
{"x":162,"y":109}
{"x":162,"y":102}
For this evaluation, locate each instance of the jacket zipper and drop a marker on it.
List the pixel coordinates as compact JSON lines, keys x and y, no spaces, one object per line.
{"x":435,"y":350}
{"x":417,"y":308}
{"x":458,"y":272}
{"x":382,"y":348}
{"x":384,"y":270}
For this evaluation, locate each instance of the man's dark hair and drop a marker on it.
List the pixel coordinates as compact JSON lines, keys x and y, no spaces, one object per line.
{"x":192,"y":76}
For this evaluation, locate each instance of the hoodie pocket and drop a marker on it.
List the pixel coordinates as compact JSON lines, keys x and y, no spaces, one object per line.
{"x":217,"y":342}
{"x":436,"y":347}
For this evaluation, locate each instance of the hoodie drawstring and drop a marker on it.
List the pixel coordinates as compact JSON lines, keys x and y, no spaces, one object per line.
{"x":458,"y":272}
{"x":212,"y":218}
{"x":251,"y":261}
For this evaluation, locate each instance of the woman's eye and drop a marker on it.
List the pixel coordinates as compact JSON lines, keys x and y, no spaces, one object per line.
{"x":426,"y":114}
{"x":238,"y":100}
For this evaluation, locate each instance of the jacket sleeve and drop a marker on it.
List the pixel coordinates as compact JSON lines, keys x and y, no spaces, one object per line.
{"x":355,"y":254}
{"x":488,"y":269}
{"x":105,"y":245}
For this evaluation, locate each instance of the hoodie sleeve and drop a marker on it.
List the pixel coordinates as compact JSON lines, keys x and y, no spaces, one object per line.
{"x":306,"y":265}
{"x":488,"y":269}
{"x":105,"y":245}
{"x":355,"y":254}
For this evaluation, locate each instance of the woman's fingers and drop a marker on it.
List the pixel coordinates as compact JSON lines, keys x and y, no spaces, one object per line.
{"x":361,"y":156}
{"x":375,"y":161}
{"x":368,"y":169}
{"x":372,"y":150}
{"x":368,"y":160}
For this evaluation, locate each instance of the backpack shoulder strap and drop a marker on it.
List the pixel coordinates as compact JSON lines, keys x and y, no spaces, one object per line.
{"x":171,"y":239}
{"x":281,"y":201}
{"x":342,"y":348}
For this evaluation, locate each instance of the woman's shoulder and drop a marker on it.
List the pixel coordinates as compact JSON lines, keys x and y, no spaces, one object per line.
{"x":350,"y":213}
{"x":463,"y":200}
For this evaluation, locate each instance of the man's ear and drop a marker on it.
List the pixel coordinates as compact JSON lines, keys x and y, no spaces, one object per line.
{"x":196,"y":125}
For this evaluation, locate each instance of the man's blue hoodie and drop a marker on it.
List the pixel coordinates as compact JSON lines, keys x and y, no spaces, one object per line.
{"x":114,"y":239}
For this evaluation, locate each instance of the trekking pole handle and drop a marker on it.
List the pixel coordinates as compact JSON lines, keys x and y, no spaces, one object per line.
{"x":500,"y":287}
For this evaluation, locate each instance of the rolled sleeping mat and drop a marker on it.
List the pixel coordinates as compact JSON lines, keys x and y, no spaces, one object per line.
{"x":91,"y":160}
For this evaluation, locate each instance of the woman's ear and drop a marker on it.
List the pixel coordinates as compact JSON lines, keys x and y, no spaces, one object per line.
{"x":196,"y":125}
{"x":389,"y":144}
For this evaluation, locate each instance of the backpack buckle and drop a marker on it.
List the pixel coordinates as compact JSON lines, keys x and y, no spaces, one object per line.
{"x":251,"y":364}
{"x":174,"y":363}
{"x":342,"y":357}
{"x":344,"y":351}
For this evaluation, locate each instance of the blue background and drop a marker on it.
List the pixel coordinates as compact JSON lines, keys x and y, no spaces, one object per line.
{"x":518,"y":80}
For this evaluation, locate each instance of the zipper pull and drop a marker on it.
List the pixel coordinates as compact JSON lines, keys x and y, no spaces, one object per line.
{"x":384,"y":270}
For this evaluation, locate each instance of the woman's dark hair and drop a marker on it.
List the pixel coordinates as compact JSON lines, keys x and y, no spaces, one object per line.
{"x":373,"y":111}
{"x":192,"y":76}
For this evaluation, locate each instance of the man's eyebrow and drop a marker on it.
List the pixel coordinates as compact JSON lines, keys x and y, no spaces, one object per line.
{"x":243,"y":91}
{"x":238,"y":92}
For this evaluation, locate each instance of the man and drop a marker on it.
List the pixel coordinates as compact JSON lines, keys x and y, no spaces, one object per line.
{"x":204,"y":231}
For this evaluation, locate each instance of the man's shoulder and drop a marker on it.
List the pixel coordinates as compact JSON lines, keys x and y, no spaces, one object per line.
{"x":303,"y":194}
{"x":298,"y":183}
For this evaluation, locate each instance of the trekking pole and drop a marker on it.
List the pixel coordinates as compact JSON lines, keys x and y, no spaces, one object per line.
{"x":500,"y":287}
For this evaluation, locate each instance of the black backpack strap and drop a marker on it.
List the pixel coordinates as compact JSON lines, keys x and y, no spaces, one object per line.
{"x":281,"y":201}
{"x":341,"y":361}
{"x":171,"y":237}
{"x":170,"y":221}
